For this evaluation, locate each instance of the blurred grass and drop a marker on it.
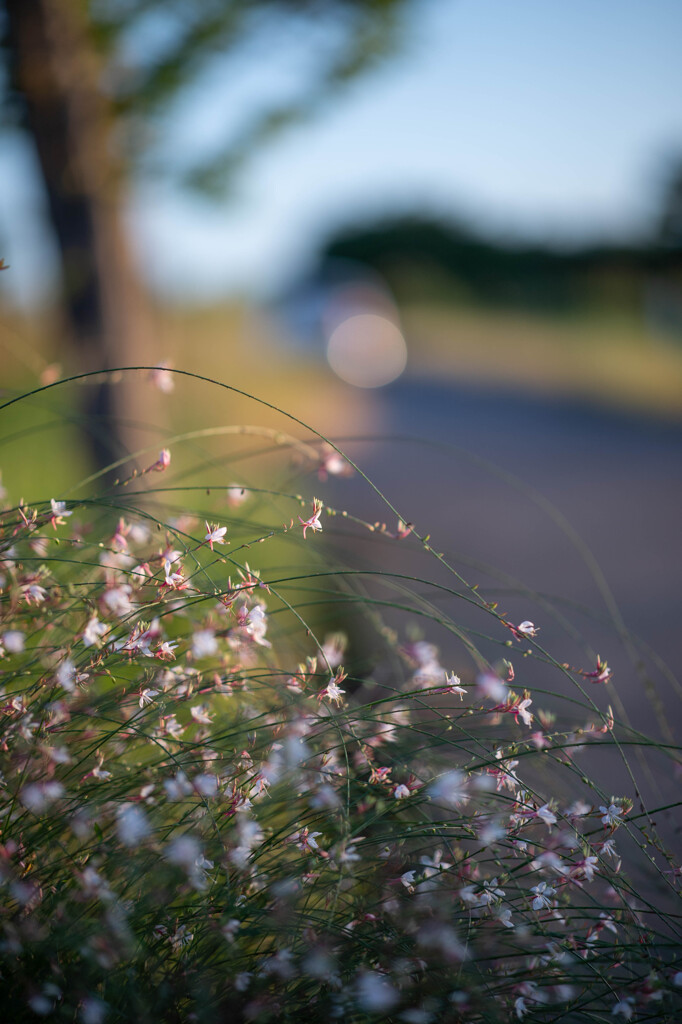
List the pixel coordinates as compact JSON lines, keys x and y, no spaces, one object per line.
{"x":40,"y":447}
{"x":610,"y":360}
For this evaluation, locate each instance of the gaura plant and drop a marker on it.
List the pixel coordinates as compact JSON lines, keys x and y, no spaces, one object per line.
{"x":218,"y":805}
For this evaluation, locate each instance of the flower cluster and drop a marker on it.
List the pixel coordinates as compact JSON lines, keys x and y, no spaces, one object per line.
{"x":199,"y":822}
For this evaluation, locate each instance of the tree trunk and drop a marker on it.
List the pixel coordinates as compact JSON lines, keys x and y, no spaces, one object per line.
{"x":56,"y":69}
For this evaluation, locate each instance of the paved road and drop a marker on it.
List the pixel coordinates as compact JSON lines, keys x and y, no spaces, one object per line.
{"x":616,"y":479}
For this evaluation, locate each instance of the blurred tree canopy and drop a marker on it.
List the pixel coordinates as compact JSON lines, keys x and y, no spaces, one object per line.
{"x":439,"y":261}
{"x":93,"y":83}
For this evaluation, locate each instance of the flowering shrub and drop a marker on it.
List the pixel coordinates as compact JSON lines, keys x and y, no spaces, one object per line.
{"x":205,"y":818}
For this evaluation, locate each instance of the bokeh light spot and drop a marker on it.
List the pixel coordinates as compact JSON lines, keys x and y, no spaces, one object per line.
{"x":367,"y":350}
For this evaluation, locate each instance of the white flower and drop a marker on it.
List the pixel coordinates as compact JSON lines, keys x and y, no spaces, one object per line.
{"x":38,"y":796}
{"x":589,"y":866}
{"x":550,"y":861}
{"x":92,"y":1011}
{"x":608,"y":849}
{"x":230,"y":929}
{"x":177,"y":787}
{"x":33,"y":593}
{"x":408,"y":880}
{"x":520,"y":1007}
{"x":334,"y":648}
{"x":578,"y":809}
{"x":332,"y":692}
{"x":490,"y":833}
{"x":147,"y":697}
{"x":200,"y":713}
{"x":545,"y":814}
{"x":59,"y":511}
{"x":14,"y":641}
{"x":205,"y":785}
{"x":453,"y":684}
{"x":503,"y":915}
{"x":430,"y":670}
{"x":215,"y":535}
{"x":491,"y":893}
{"x":93,"y":631}
{"x":434,"y":865}
{"x":401,"y":791}
{"x":132,"y":825}
{"x":527,"y":628}
{"x":444,"y":939}
{"x":173,"y":580}
{"x":543,"y":896}
{"x":624,"y":1007}
{"x":166,"y":650}
{"x":182,"y":936}
{"x":66,"y":675}
{"x":184,"y":851}
{"x":611,"y":815}
{"x":468,"y":896}
{"x":118,"y":600}
{"x":491,"y":686}
{"x":256,"y":626}
{"x":204,"y":643}
{"x":374,"y":993}
{"x":521,"y":711}
{"x":450,"y":788}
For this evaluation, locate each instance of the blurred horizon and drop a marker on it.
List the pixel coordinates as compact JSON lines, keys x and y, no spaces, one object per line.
{"x":525,"y":122}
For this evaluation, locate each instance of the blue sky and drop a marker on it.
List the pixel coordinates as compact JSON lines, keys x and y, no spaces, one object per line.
{"x":555,"y":119}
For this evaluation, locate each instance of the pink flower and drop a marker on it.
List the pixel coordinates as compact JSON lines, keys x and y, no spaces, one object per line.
{"x":236,"y":495}
{"x":332,"y":463}
{"x":163,"y":462}
{"x":602,"y":674}
{"x":313,"y":523}
{"x":518,"y":708}
{"x":162,"y":378}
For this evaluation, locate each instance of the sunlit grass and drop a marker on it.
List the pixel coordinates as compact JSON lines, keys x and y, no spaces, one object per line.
{"x":615,"y":362}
